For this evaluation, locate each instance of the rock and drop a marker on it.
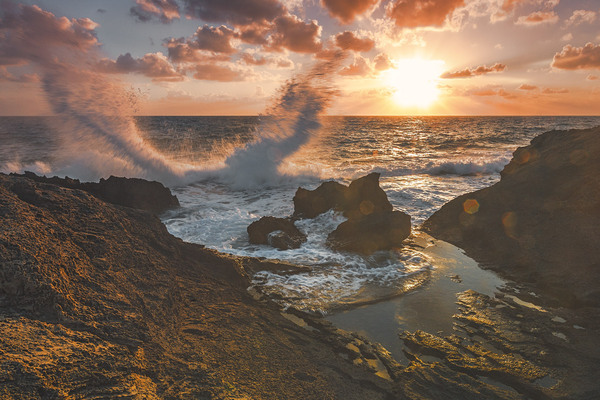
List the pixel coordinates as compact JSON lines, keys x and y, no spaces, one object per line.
{"x":370,"y":233}
{"x":100,"y":301}
{"x":280,"y":233}
{"x":365,"y":197}
{"x":541,"y":222}
{"x":310,"y":203}
{"x":362,"y":197}
{"x":137,"y":193}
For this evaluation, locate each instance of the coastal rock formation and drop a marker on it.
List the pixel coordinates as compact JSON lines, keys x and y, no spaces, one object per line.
{"x":100,"y":301}
{"x":280,"y":233}
{"x":541,"y":222}
{"x":367,"y":234}
{"x":129,"y":192}
{"x":362,"y":197}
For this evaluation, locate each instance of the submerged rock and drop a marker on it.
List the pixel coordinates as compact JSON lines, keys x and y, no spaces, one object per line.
{"x":370,"y":233}
{"x":541,"y":222}
{"x":280,"y":233}
{"x":137,"y":193}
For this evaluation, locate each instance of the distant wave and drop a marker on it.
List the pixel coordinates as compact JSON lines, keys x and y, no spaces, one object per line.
{"x":459,"y":168}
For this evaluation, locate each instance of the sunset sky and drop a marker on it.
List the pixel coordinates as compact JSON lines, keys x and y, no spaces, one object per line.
{"x":228,"y":57}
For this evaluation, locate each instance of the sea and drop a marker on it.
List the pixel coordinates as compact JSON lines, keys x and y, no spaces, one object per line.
{"x":230,"y":171}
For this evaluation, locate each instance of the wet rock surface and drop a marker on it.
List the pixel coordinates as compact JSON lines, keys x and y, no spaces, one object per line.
{"x":280,"y":233}
{"x":502,"y":349}
{"x":541,"y":222}
{"x":100,"y":301}
{"x":368,"y":234}
{"x":129,"y":192}
{"x":362,"y":197}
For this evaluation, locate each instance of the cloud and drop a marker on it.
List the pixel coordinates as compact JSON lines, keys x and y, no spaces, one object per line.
{"x":470,"y":72}
{"x":492,"y":92}
{"x":6,"y":76}
{"x":293,"y":34}
{"x":208,"y":42}
{"x":416,"y":13}
{"x":279,"y":62}
{"x":214,"y":39}
{"x":235,"y":12}
{"x":349,"y":41}
{"x":537,"y":18}
{"x":382,"y":62}
{"x":592,"y":77}
{"x":220,"y":73}
{"x":347,"y":10}
{"x":525,"y":86}
{"x":555,"y":91}
{"x":152,"y":65}
{"x":581,"y":16}
{"x":30,"y":34}
{"x":360,"y":67}
{"x":164,"y":10}
{"x":572,"y":58}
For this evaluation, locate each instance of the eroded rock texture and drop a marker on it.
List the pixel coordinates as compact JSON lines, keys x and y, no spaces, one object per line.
{"x":541,"y":222}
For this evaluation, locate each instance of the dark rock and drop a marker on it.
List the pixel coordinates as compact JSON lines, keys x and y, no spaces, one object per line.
{"x":137,"y":193}
{"x":100,"y":301}
{"x":541,"y":222}
{"x":310,"y":203}
{"x":280,"y":233}
{"x":365,"y":197}
{"x":362,"y":197}
{"x":370,"y":233}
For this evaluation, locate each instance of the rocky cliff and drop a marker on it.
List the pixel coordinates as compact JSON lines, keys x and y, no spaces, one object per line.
{"x":541,"y":222}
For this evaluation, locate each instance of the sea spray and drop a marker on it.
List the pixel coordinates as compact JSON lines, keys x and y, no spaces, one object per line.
{"x":291,"y":122}
{"x":97,"y":135}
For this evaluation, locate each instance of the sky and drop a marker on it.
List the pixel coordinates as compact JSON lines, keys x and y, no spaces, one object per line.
{"x":230,"y":57}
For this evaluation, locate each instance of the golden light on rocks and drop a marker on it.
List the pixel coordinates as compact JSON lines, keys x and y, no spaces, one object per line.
{"x":471,"y":206}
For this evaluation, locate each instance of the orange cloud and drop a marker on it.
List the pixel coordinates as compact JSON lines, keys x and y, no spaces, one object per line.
{"x":152,"y":65}
{"x":592,"y":77}
{"x":555,"y":91}
{"x":572,"y":58}
{"x":415,"y":13}
{"x":349,"y":41}
{"x":251,"y":59}
{"x":220,"y":73}
{"x":347,"y":10}
{"x":537,"y":18}
{"x":470,"y":72}
{"x":382,"y":62}
{"x":580,"y":17}
{"x":525,"y":86}
{"x":360,"y":67}
{"x":293,"y":34}
{"x":164,"y":10}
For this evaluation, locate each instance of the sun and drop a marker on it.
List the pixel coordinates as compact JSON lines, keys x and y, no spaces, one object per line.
{"x":414,"y":81}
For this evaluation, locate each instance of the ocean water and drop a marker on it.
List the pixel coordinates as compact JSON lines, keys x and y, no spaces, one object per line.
{"x":238,"y":169}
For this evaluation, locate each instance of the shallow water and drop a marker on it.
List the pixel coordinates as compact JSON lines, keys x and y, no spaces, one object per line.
{"x":429,"y":307}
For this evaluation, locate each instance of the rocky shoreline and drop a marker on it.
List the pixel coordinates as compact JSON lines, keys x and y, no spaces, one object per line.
{"x":98,"y":300}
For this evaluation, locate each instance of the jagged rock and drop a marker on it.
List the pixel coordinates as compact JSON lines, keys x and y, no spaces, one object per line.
{"x":100,"y":301}
{"x":310,"y":203}
{"x":541,"y":222}
{"x":370,"y":233}
{"x":129,"y":192}
{"x":365,"y":197}
{"x":280,"y":233}
{"x":362,"y":197}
